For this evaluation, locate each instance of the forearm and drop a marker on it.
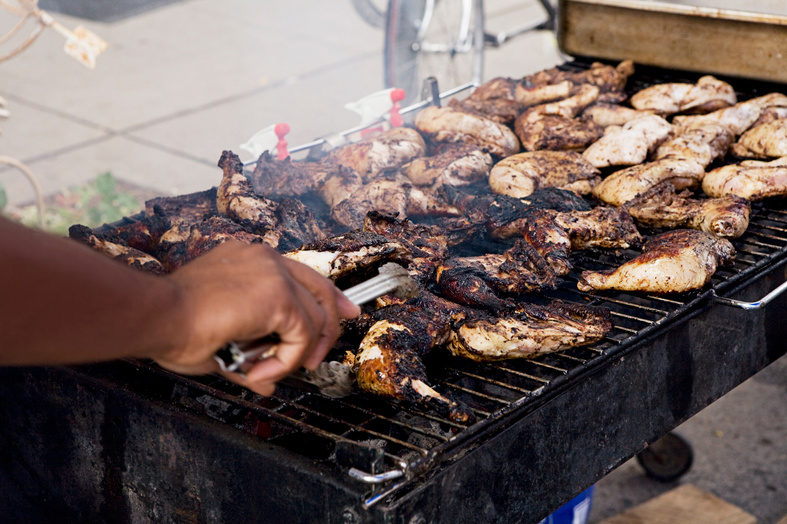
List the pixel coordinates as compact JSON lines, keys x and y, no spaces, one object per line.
{"x":61,"y":302}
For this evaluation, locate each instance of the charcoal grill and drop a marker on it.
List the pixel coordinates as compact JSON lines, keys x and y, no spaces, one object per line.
{"x":129,"y":442}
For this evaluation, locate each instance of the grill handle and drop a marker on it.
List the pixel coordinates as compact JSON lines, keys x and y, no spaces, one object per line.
{"x":757,"y":304}
{"x":371,"y":478}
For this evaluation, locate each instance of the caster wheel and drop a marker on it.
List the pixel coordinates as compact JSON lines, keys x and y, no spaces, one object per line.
{"x":667,"y":459}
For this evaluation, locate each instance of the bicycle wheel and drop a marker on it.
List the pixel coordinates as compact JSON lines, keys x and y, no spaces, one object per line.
{"x":371,"y":11}
{"x":440,"y":38}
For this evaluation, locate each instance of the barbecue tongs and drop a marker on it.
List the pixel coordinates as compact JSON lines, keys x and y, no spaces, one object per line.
{"x":237,"y":358}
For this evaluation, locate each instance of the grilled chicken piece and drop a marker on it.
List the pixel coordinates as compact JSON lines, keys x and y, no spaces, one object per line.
{"x":708,"y":94}
{"x":630,"y":144}
{"x":444,"y":124}
{"x":500,"y":110}
{"x":529,"y":331}
{"x":519,"y":175}
{"x":555,"y":234}
{"x":353,"y":252}
{"x":389,"y":360}
{"x":496,"y":89}
{"x":274,"y":178}
{"x":528,"y":95}
{"x":739,"y":117}
{"x":395,"y":195}
{"x":672,"y":262}
{"x":144,"y":234}
{"x":751,"y":179}
{"x":455,"y":165}
{"x":297,"y":224}
{"x":553,"y":126}
{"x":606,"y":115}
{"x":378,"y":153}
{"x":662,"y":207}
{"x":765,"y":141}
{"x":127,"y":255}
{"x":621,"y":186}
{"x":190,"y":208}
{"x":611,"y":81}
{"x":703,"y":143}
{"x":236,"y":199}
{"x":518,"y":270}
{"x":427,"y":244}
{"x":769,"y":114}
{"x":185,"y":243}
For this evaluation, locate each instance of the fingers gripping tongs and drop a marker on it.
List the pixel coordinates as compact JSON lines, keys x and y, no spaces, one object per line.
{"x":238,"y":358}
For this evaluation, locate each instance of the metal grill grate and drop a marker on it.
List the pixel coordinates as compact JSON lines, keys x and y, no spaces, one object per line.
{"x":409,"y":439}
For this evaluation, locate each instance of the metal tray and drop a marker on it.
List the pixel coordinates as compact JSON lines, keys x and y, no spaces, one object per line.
{"x":690,"y":38}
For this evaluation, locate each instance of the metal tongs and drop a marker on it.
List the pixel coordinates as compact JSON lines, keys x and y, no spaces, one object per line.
{"x":235,"y":357}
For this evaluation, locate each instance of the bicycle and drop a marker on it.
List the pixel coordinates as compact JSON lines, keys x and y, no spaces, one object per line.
{"x":444,"y":39}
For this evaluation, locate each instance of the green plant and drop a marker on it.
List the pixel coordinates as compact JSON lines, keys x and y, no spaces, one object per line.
{"x":92,"y":204}
{"x":3,"y":198}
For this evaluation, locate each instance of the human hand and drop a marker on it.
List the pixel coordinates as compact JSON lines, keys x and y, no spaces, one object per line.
{"x":246,"y":292}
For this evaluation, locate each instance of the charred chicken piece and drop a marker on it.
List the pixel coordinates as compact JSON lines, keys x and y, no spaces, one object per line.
{"x":445,"y":124}
{"x":184,"y":209}
{"x":611,"y":81}
{"x":554,"y":126}
{"x":521,"y":174}
{"x":185,"y":243}
{"x":739,"y":117}
{"x":630,"y":144}
{"x":392,"y":194}
{"x":708,"y":94}
{"x":236,"y":200}
{"x":494,"y":100}
{"x":765,"y":141}
{"x":529,"y":331}
{"x":703,"y":143}
{"x":389,"y":360}
{"x":606,"y":115}
{"x":373,"y":155}
{"x":275,"y":178}
{"x":751,"y":179}
{"x":662,"y":207}
{"x":353,"y":252}
{"x":622,"y":186}
{"x":143,"y":234}
{"x":455,"y":165}
{"x":601,"y":227}
{"x":297,"y":224}
{"x":128,"y":255}
{"x":518,"y":270}
{"x":427,"y":244}
{"x":673,"y":262}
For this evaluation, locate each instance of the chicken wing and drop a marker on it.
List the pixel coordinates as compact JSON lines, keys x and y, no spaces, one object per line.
{"x":521,"y":174}
{"x":672,"y":262}
{"x":751,"y":179}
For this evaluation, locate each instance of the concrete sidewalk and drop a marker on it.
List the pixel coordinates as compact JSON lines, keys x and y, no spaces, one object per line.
{"x":181,"y":83}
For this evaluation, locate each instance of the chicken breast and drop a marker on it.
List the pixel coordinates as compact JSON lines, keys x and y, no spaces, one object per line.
{"x":444,"y":124}
{"x":606,"y":115}
{"x":673,"y":262}
{"x":703,"y":143}
{"x":519,"y":175}
{"x":629,"y":144}
{"x":373,"y":155}
{"x":751,"y":179}
{"x":708,"y":94}
{"x":739,"y":117}
{"x":456,"y":165}
{"x":765,"y":141}
{"x":622,"y":186}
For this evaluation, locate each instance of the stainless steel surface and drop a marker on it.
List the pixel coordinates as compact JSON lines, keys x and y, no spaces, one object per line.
{"x":686,"y":37}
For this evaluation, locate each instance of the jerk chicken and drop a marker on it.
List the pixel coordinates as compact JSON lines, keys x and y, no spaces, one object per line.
{"x":751,"y":179}
{"x":708,"y":94}
{"x":673,"y":262}
{"x":519,"y":175}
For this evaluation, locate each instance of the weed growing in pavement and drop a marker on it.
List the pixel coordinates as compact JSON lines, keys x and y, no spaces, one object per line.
{"x":92,"y":204}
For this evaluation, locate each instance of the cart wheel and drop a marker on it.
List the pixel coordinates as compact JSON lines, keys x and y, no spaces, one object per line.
{"x":667,"y":459}
{"x":439,"y":38}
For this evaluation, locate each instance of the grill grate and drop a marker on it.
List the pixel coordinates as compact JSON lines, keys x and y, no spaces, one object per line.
{"x":411,"y":439}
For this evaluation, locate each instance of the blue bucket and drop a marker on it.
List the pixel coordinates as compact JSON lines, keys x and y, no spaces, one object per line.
{"x":575,"y":511}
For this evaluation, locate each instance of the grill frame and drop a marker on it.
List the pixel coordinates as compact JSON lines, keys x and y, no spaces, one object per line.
{"x":441,"y":485}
